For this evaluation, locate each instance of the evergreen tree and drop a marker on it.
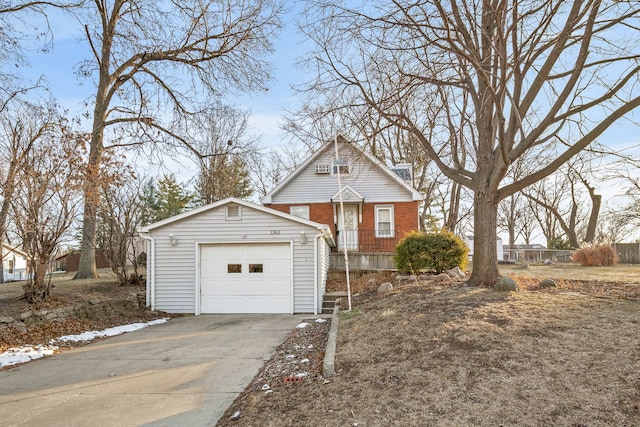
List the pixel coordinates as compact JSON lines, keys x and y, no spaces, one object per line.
{"x":224,"y":176}
{"x":166,"y":199}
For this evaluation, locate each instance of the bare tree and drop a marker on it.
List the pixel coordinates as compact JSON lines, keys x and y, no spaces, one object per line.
{"x":22,"y":127}
{"x":516,"y":78}
{"x":153,"y":59}
{"x":20,"y":23}
{"x":627,"y":178}
{"x":45,"y":205}
{"x":223,"y":146}
{"x":270,"y":166}
{"x":562,"y":197}
{"x":119,"y":217}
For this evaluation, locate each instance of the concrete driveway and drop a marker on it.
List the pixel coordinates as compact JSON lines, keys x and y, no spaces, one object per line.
{"x":185,"y":372}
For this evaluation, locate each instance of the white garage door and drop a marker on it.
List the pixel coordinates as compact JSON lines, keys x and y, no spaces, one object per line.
{"x":245,"y":278}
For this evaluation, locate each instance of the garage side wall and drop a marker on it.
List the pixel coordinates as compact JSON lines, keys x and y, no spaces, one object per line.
{"x":176,"y":265}
{"x":323,"y":269}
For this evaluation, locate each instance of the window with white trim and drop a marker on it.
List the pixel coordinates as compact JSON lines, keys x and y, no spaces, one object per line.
{"x":300,"y":211}
{"x":385,"y":226}
{"x":341,"y":164}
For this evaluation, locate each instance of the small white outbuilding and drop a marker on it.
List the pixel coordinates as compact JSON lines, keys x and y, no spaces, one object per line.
{"x":234,"y":256}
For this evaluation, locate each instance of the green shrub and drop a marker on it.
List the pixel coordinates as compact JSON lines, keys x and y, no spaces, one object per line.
{"x":595,"y":255}
{"x":430,"y":251}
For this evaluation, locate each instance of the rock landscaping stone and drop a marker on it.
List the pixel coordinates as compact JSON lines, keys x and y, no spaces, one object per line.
{"x":6,"y":319}
{"x":385,"y":287}
{"x":424,"y":277}
{"x":26,"y":315}
{"x":442,"y":278}
{"x":409,"y":278}
{"x":372,"y":282}
{"x":19,"y":326}
{"x":461,"y":274}
{"x":548,"y":283}
{"x":506,"y":284}
{"x":548,"y":262}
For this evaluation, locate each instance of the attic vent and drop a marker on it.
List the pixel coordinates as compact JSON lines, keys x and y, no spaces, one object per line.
{"x":403,"y":170}
{"x":233,"y":212}
{"x":322,"y":168}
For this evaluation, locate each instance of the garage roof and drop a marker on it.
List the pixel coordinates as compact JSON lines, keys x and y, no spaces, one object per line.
{"x":232,"y":200}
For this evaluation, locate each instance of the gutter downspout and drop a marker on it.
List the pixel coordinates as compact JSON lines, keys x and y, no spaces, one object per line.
{"x":316,"y":264}
{"x":151,"y":270}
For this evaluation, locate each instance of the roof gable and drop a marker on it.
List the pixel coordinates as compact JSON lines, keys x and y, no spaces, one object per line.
{"x":348,"y":194}
{"x":309,"y":162}
{"x":230,"y":200}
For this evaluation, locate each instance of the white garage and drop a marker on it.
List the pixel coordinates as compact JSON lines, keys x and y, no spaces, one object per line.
{"x":233,"y":256}
{"x":246,"y":278}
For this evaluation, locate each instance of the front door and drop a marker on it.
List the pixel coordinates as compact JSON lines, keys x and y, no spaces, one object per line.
{"x":348,"y":233}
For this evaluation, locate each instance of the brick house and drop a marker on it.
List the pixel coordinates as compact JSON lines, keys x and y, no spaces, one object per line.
{"x":380,"y":204}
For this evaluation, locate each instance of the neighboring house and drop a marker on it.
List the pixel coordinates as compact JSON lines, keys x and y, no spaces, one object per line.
{"x":71,"y":260}
{"x":379,"y":205}
{"x":468,"y":239}
{"x":233,"y":256}
{"x":14,"y":263}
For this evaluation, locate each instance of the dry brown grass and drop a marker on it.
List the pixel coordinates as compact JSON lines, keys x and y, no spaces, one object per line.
{"x":427,"y":355}
{"x":624,"y":273}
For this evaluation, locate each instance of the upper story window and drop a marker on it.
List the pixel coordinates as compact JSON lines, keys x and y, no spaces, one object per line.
{"x":342,"y":165}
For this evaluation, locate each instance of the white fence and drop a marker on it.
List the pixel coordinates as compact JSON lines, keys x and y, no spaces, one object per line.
{"x":537,"y":255}
{"x":14,"y":277}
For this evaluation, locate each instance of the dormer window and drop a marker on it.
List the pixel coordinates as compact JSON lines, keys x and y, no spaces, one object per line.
{"x":340,"y":165}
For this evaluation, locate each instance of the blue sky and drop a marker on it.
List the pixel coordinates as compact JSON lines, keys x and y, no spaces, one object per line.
{"x":267,"y":108}
{"x":70,"y":47}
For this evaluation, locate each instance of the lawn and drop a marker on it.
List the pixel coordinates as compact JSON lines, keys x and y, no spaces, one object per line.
{"x":428,"y":354}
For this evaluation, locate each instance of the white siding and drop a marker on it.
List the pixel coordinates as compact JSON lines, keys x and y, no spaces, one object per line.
{"x":323,"y":269}
{"x":366,"y":177}
{"x":175,"y":266}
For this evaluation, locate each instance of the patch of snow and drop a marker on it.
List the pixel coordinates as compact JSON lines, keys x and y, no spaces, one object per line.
{"x":304,"y":361}
{"x":109,"y":332}
{"x":18,"y":355}
{"x":14,"y":356}
{"x":321,"y":320}
{"x":290,"y":356}
{"x":302,"y":374}
{"x":310,"y":346}
{"x":302,"y":325}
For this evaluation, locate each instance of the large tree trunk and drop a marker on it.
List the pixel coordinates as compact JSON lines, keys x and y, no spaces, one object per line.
{"x":87,"y":262}
{"x":38,"y":289}
{"x":454,"y":207}
{"x":596,"y":202}
{"x":485,"y":254}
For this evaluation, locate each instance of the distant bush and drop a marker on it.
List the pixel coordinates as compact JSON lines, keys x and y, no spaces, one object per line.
{"x":595,"y":255}
{"x":430,"y":251}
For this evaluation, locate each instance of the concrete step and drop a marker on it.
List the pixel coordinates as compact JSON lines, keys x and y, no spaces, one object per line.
{"x":329,"y":301}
